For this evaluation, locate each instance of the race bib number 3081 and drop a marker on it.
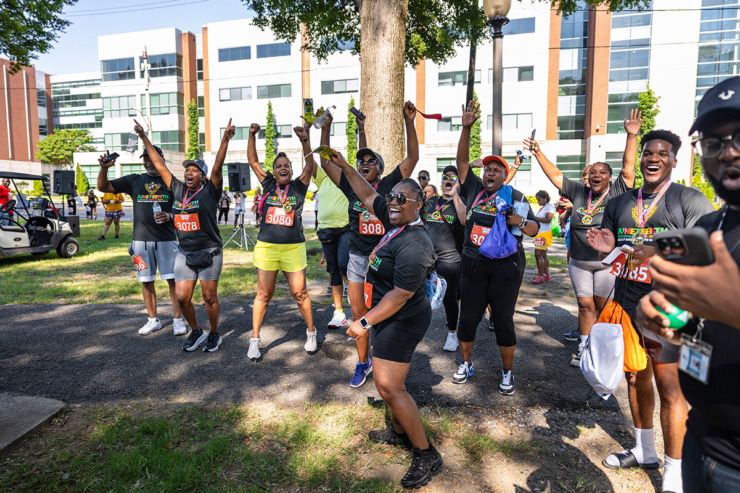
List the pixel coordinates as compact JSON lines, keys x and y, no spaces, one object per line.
{"x":638,"y":274}
{"x":479,"y":234}
{"x":371,"y":226}
{"x":187,"y":222}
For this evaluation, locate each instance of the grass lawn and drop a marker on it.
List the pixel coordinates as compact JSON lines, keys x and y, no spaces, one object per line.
{"x":104,"y":273}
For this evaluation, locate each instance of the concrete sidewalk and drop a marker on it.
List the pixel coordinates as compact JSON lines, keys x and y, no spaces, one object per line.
{"x":21,"y":414}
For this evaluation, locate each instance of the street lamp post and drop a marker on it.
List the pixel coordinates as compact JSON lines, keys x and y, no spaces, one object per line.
{"x":496,"y":11}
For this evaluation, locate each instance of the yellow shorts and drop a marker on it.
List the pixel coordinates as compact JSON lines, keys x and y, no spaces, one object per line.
{"x":289,"y":257}
{"x":543,"y":240}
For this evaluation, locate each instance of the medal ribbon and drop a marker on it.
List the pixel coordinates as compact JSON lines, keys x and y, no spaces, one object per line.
{"x":282,"y":197}
{"x":185,"y":200}
{"x":386,"y":239}
{"x":479,"y":201}
{"x":642,"y":216}
{"x":440,"y":209}
{"x":592,"y":208}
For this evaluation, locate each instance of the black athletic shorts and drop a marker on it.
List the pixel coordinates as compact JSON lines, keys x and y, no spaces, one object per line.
{"x":396,"y":340}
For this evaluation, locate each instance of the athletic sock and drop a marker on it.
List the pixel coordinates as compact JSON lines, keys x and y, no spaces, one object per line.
{"x":672,"y":476}
{"x":153,"y":319}
{"x":644,"y":450}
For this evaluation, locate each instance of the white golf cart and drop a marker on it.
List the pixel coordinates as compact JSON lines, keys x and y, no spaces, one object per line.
{"x":35,"y":226}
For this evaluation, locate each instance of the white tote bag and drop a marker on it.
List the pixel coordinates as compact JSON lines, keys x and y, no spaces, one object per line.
{"x":602,"y":361}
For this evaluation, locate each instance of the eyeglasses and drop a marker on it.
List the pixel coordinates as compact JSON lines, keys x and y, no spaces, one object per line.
{"x":449,"y":177}
{"x":398,"y":196}
{"x":371,"y":162}
{"x":711,"y":147}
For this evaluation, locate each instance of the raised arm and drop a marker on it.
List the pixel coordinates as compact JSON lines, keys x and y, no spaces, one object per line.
{"x":254,"y":161}
{"x":361,"y":132}
{"x":309,"y":164}
{"x":470,"y":115}
{"x":412,"y":141}
{"x":217,"y":176}
{"x":103,"y":183}
{"x":551,"y":171}
{"x":334,"y":173}
{"x":362,"y":188}
{"x":459,"y":205}
{"x":513,"y":169}
{"x":630,"y":147}
{"x":157,"y":160}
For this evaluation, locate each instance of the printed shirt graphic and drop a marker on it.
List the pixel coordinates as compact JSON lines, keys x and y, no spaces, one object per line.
{"x":279,"y":224}
{"x":201,"y":209}
{"x":145,"y":190}
{"x":442,"y":225}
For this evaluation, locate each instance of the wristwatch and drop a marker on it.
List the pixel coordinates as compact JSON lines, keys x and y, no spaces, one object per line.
{"x":365,"y":324}
{"x":524,"y":223}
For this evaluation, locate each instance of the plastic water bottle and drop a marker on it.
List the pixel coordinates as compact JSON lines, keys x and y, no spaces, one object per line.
{"x":521,"y":208}
{"x":321,"y":119}
{"x":156,"y":209}
{"x":133,"y":142}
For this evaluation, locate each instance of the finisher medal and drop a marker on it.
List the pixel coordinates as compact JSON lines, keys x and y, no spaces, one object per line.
{"x":470,"y":213}
{"x":287,"y":207}
{"x":436,"y":216}
{"x":638,"y":238}
{"x":366,"y":216}
{"x":587,"y":219}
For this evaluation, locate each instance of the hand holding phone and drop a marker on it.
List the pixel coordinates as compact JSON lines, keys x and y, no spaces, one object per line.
{"x":358,"y":114}
{"x":688,"y":246}
{"x":111,"y":157}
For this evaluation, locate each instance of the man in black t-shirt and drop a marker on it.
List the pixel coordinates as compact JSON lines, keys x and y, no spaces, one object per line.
{"x":154,"y":244}
{"x":710,"y":362}
{"x":631,"y":220}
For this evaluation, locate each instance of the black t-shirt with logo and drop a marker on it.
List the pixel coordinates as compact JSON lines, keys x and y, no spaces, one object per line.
{"x":442,"y":225}
{"x":402,"y":262}
{"x":577,"y":192}
{"x":281,"y":224}
{"x":145,"y":190}
{"x":366,"y":229}
{"x":680,"y":207}
{"x":197,"y":228}
{"x":482,"y":217}
{"x":715,"y":406}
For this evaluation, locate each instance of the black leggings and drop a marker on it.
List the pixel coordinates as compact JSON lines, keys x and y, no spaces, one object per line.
{"x":451,"y":271}
{"x":495,"y":282}
{"x":223,"y":213}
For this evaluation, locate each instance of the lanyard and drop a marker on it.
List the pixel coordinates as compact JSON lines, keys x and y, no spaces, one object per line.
{"x":282,"y":197}
{"x":440,"y":209}
{"x":478,"y":200}
{"x":185,"y":200}
{"x":592,"y":208}
{"x":386,"y":239}
{"x":643,"y":215}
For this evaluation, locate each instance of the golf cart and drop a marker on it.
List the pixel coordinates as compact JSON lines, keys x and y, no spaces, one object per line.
{"x":35,"y":226}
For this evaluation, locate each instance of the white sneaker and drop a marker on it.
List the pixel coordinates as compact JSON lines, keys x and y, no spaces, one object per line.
{"x":152,"y":325}
{"x":178,"y":327}
{"x":451,"y":344}
{"x":311,"y":344}
{"x":339,"y":320}
{"x":254,"y":348}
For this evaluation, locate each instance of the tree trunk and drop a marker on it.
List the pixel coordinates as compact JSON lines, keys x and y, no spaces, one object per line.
{"x":383,"y":42}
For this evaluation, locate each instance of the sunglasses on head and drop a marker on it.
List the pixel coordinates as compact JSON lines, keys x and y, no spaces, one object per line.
{"x":372,"y":162}
{"x":449,"y":177}
{"x":401,"y":198}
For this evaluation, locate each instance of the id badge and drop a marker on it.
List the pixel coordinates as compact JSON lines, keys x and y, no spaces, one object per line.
{"x":695,"y":358}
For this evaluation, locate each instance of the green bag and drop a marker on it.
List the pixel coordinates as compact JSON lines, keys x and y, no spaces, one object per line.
{"x":555,"y":225}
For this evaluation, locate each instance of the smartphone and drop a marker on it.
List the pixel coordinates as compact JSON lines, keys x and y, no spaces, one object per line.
{"x":534,"y":131}
{"x":325,"y":151}
{"x":688,"y":246}
{"x":111,"y":157}
{"x":359,"y":114}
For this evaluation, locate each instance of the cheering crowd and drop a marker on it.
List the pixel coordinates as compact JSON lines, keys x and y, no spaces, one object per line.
{"x":391,"y":238}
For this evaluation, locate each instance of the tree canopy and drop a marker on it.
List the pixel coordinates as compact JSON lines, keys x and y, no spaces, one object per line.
{"x":29,"y":27}
{"x":58,"y":148}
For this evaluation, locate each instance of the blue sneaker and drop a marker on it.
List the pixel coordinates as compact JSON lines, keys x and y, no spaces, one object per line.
{"x":362,"y":370}
{"x":464,"y":371}
{"x":572,"y":336}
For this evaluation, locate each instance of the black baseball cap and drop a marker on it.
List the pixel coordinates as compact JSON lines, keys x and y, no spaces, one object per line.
{"x":367,"y":150}
{"x":722,"y":97}
{"x":449,"y":169}
{"x":159,"y":151}
{"x":198,"y":163}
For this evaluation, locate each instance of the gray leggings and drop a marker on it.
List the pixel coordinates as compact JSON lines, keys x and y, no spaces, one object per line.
{"x":590,"y":278}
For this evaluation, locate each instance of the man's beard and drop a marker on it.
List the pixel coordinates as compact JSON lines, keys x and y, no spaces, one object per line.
{"x":732,"y":197}
{"x":152,"y":172}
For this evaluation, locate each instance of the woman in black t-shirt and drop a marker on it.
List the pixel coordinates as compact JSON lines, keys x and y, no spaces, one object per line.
{"x":399,"y":311}
{"x":281,"y":245}
{"x":200,"y":255}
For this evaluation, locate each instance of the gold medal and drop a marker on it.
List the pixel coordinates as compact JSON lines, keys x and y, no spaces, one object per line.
{"x":287,"y":207}
{"x":638,"y":238}
{"x":587,"y":219}
{"x":470,"y":213}
{"x":366,"y":216}
{"x":436,"y":216}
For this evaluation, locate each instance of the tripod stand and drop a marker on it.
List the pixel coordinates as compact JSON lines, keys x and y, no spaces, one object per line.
{"x":240,"y":236}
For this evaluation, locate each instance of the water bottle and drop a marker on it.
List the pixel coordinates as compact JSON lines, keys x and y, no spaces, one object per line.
{"x":133,"y":142}
{"x":156,"y":209}
{"x":321,"y":119}
{"x":521,"y":208}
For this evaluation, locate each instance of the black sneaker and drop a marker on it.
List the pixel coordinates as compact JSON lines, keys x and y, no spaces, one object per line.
{"x":390,"y":437}
{"x":212,"y":343}
{"x":195,"y":339}
{"x":424,"y":465}
{"x":101,"y":237}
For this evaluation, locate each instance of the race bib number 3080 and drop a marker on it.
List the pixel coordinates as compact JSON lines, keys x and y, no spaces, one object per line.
{"x":187,"y":222}
{"x":479,"y":234}
{"x":278,"y":216}
{"x":638,"y":274}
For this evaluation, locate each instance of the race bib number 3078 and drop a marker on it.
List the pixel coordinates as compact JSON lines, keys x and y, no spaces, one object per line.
{"x":638,"y":274}
{"x":187,"y":222}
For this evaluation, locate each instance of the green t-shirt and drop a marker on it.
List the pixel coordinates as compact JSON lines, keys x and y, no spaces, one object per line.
{"x":333,"y":204}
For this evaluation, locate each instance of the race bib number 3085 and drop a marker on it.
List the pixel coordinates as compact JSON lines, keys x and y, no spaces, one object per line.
{"x":278,"y":216}
{"x":187,"y":222}
{"x":638,"y":274}
{"x":479,"y":234}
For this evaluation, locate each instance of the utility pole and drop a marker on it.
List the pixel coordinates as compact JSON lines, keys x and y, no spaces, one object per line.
{"x":147,"y":97}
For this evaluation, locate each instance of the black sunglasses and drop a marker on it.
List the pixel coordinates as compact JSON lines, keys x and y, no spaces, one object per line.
{"x":398,"y":196}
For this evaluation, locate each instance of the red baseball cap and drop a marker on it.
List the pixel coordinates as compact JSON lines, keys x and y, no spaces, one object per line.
{"x":498,"y":160}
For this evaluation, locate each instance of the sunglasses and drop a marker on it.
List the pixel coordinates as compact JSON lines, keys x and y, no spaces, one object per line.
{"x":371,"y":162}
{"x":449,"y":177}
{"x":424,"y":177}
{"x":401,"y":198}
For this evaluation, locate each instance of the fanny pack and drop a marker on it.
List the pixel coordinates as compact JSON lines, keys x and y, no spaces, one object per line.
{"x":327,"y":235}
{"x":202,"y":259}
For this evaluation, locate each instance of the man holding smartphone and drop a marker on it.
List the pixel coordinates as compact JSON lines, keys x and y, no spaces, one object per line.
{"x":154,"y":245}
{"x":710,"y":361}
{"x":630,"y":222}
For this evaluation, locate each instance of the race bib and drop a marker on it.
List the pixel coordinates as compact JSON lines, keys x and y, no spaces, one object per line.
{"x":479,"y":234}
{"x":539,"y":241}
{"x":139,"y":262}
{"x":638,"y":274}
{"x":278,"y":216}
{"x":187,"y":222}
{"x":371,"y":225}
{"x":368,"y":295}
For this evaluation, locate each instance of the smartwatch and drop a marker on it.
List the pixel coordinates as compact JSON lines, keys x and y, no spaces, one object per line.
{"x":365,"y":324}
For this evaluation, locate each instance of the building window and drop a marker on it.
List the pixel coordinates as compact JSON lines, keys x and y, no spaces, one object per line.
{"x":41,"y":98}
{"x":273,"y":49}
{"x":719,"y":44}
{"x":240,"y":133}
{"x":571,"y":166}
{"x":201,"y":106}
{"x":119,"y":107}
{"x":163,"y":65}
{"x":618,"y":109}
{"x":164,"y":104}
{"x":202,"y":142}
{"x":72,"y":100}
{"x":233,"y":54}
{"x":519,"y":26}
{"x":169,"y":140}
{"x":118,"y":69}
{"x":338,"y":129}
{"x":513,"y":121}
{"x":515,"y":74}
{"x":132,"y":169}
{"x":572,"y":73}
{"x":43,"y":126}
{"x":281,"y":132}
{"x":78,"y":126}
{"x":199,"y":68}
{"x":614,"y":159}
{"x":274,"y":91}
{"x":116,"y":142}
{"x":443,"y":162}
{"x":449,"y":124}
{"x":459,"y":77}
{"x":235,"y":94}
{"x":339,"y":86}
{"x":76,"y":83}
